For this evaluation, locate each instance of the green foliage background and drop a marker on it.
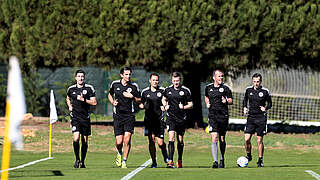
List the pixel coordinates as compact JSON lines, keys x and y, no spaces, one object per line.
{"x":165,"y":35}
{"x":193,"y":37}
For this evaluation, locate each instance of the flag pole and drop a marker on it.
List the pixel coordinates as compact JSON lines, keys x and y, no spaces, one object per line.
{"x":50,"y":135}
{"x":15,"y":109}
{"x":6,"y":147}
{"x":53,"y":119}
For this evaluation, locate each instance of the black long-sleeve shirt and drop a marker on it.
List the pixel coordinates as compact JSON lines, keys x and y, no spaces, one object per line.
{"x":257,"y":97}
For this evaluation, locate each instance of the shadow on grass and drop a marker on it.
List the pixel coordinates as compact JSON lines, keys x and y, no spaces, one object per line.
{"x":235,"y":167}
{"x":278,"y":166}
{"x":35,"y":173}
{"x":293,"y":165}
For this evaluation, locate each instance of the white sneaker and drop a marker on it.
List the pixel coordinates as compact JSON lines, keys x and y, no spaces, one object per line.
{"x":124,"y":164}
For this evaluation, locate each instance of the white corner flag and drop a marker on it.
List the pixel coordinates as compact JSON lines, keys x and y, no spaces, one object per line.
{"x":15,"y":110}
{"x":53,"y":110}
{"x":53,"y":119}
{"x":15,"y":103}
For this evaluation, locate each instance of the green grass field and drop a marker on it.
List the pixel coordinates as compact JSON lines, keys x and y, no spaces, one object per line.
{"x":287,"y":156}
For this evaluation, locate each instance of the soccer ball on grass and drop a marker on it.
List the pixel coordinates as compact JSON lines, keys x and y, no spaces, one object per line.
{"x":242,"y":161}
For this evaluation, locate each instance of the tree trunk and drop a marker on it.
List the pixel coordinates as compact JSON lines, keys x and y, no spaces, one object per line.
{"x":192,"y":81}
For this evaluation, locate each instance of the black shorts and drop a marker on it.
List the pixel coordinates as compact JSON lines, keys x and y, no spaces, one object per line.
{"x":179,"y":127}
{"x":218,"y":124}
{"x":154,"y":125}
{"x":258,"y":124}
{"x":123,"y":123}
{"x":81,"y":126}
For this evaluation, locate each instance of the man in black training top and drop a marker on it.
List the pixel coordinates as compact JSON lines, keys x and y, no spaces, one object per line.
{"x":176,"y":100}
{"x":121,"y":95}
{"x":257,"y":96}
{"x":154,"y":117}
{"x":79,"y":98}
{"x":217,"y":98}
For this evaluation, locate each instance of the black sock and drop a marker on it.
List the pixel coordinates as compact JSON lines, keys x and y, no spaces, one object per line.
{"x":260,"y":159}
{"x":222,"y":150}
{"x":164,"y":151}
{"x":76,"y":148}
{"x":84,"y":148}
{"x":249,"y":154}
{"x":171,"y":149}
{"x":180,"y":150}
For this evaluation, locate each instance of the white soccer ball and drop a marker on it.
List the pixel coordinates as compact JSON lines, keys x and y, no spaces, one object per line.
{"x":242,"y":161}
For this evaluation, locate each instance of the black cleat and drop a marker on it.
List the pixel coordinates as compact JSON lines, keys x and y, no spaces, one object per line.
{"x":76,"y":164}
{"x":221,"y":165}
{"x":215,"y":164}
{"x":154,"y":165}
{"x":82,"y":165}
{"x":249,"y":158}
{"x":260,"y":164}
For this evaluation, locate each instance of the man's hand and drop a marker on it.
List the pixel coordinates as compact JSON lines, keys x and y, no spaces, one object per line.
{"x":70,"y":108}
{"x":127,"y":94}
{"x":80,"y":97}
{"x":263,"y":109}
{"x":245,"y":111}
{"x":181,"y":106}
{"x":208,"y":105}
{"x":115,"y":102}
{"x":223,"y":99}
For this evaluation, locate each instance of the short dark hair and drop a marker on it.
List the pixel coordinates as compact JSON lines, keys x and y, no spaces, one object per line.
{"x":255,"y":75}
{"x":125,"y":69}
{"x":79,"y":71}
{"x":153,"y":74}
{"x":217,"y":70}
{"x":175,"y":74}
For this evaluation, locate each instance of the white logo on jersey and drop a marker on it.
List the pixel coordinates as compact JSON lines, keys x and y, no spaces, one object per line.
{"x":181,"y":93}
{"x":221,"y":90}
{"x":84,"y":91}
{"x":118,"y":89}
{"x":260,"y":94}
{"x":74,"y":93}
{"x":74,"y":128}
{"x":148,"y":95}
{"x":210,"y":128}
{"x":129,"y":90}
{"x":251,"y":94}
{"x":161,"y":136}
{"x":211,"y":90}
{"x":159,"y":94}
{"x":169,"y":92}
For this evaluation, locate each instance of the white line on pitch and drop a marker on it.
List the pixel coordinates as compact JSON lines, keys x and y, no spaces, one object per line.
{"x":315,"y":175}
{"x":27,"y":164}
{"x":132,"y":173}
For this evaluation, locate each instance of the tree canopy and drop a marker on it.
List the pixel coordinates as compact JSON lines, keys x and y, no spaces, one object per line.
{"x":166,"y":35}
{"x":193,"y":37}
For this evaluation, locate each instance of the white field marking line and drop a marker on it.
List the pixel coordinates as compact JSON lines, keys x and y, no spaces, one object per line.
{"x":28,"y":164}
{"x":315,"y":175}
{"x":132,"y":173}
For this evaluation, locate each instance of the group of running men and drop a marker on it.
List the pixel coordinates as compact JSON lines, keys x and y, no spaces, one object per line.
{"x":171,"y":102}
